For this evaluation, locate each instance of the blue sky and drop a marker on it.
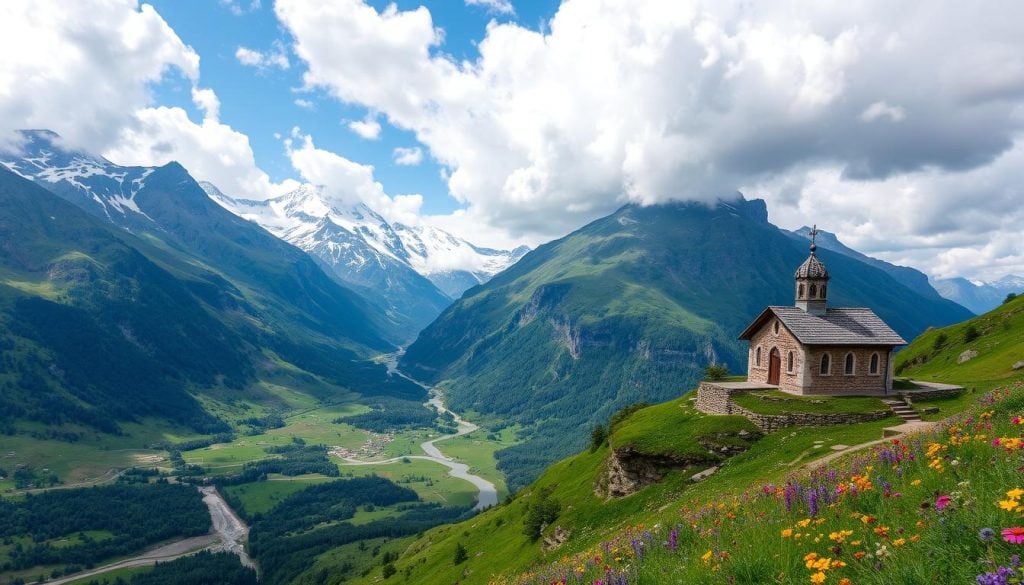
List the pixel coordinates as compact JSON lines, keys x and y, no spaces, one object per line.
{"x":260,"y":102}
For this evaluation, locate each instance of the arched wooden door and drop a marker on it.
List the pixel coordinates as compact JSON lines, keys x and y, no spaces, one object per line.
{"x":774,"y":366}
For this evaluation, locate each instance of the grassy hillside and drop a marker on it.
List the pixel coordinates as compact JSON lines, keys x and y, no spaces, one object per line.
{"x":99,"y":327}
{"x":996,"y":336}
{"x":496,"y":542}
{"x":629,"y":308}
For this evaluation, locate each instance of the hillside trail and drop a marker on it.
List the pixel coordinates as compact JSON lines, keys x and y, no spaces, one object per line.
{"x":487,"y":493}
{"x":909,"y":429}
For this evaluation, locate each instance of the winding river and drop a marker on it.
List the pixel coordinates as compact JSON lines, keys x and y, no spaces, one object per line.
{"x":487,"y":494}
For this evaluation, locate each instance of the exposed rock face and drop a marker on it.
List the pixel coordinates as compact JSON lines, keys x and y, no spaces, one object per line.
{"x":966,"y":356}
{"x":627,"y":470}
{"x":1019,"y":365}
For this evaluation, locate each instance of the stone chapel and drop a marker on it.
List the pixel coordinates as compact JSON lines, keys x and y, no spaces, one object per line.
{"x":811,"y":348}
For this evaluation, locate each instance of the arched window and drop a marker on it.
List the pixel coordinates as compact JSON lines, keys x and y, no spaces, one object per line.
{"x":874,"y":364}
{"x":848,"y":367}
{"x":757,"y":357}
{"x":775,"y":327}
{"x":789,"y":362}
{"x":800,"y":291}
{"x":814,"y":290}
{"x":826,"y":364}
{"x":823,"y":287}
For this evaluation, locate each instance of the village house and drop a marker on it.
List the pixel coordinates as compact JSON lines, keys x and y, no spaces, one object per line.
{"x":811,"y":348}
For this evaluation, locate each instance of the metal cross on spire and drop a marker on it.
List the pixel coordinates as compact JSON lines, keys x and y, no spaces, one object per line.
{"x":814,"y":235}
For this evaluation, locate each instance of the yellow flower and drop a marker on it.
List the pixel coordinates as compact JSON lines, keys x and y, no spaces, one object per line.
{"x":804,"y":523}
{"x":899,"y":542}
{"x":706,"y":557}
{"x":916,"y":482}
{"x":818,"y":578}
{"x":810,"y":556}
{"x":786,"y":533}
{"x":1008,"y":505}
{"x":1015,"y":493}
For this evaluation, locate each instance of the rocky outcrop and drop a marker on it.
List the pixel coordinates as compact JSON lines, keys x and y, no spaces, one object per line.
{"x":967,"y":356}
{"x":626,"y":470}
{"x":555,"y":539}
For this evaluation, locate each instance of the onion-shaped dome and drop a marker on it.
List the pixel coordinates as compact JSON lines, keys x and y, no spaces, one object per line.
{"x":812,"y":268}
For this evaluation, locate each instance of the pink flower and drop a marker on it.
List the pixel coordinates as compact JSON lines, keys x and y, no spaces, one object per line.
{"x":1014,"y":535}
{"x":1017,"y":420}
{"x":942,"y":502}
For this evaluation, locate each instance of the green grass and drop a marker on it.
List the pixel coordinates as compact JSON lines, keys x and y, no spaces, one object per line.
{"x":261,"y":497}
{"x":676,"y":428}
{"x":428,"y":479}
{"x":998,"y":345}
{"x":778,"y":402}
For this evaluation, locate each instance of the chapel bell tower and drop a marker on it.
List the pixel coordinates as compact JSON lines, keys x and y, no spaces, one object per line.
{"x":812,"y":282}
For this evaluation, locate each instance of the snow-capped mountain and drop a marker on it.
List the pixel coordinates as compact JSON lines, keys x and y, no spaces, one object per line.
{"x":452,"y":263}
{"x":357,"y":242}
{"x":92,"y":182}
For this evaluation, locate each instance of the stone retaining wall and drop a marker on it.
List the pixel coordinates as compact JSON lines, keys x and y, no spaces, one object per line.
{"x":928,"y":394}
{"x":715,"y":399}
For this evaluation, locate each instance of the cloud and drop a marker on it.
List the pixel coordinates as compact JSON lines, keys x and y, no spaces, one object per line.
{"x":276,"y":57}
{"x":348,"y":182}
{"x":498,"y":6}
{"x":652,"y":101}
{"x":305,"y":104}
{"x":83,"y":68}
{"x":240,"y":7}
{"x":368,"y":127}
{"x":211,"y":151}
{"x":408,"y":156}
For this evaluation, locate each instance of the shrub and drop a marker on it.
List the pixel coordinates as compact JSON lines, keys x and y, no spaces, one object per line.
{"x":716,"y":372}
{"x":971,"y":333}
{"x":460,"y":554}
{"x":389,"y":570}
{"x":542,"y":512}
{"x":940,"y":341}
{"x":598,"y":436}
{"x":1009,"y":297}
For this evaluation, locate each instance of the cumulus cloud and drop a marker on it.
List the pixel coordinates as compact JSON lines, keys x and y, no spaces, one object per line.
{"x":83,"y":68}
{"x":408,"y":156}
{"x":276,"y":57}
{"x":211,"y":151}
{"x":368,"y":128}
{"x":650,"y":101}
{"x":305,"y":104}
{"x":498,"y":6}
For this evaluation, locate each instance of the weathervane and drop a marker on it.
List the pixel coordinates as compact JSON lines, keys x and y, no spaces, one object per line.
{"x":814,"y":236}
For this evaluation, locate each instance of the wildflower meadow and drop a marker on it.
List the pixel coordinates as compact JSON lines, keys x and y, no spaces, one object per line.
{"x":944,"y":506}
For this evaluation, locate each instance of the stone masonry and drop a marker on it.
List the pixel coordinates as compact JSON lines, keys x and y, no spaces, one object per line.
{"x":716,"y":398}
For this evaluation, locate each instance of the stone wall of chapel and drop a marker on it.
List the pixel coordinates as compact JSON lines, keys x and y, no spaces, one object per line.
{"x":837,"y":382}
{"x":766,"y":339}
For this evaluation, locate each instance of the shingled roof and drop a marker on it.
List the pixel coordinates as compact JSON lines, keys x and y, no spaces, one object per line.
{"x":839,"y":326}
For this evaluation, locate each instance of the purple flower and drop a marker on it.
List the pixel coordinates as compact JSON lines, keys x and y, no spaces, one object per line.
{"x":673,"y":540}
{"x":986,"y":535}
